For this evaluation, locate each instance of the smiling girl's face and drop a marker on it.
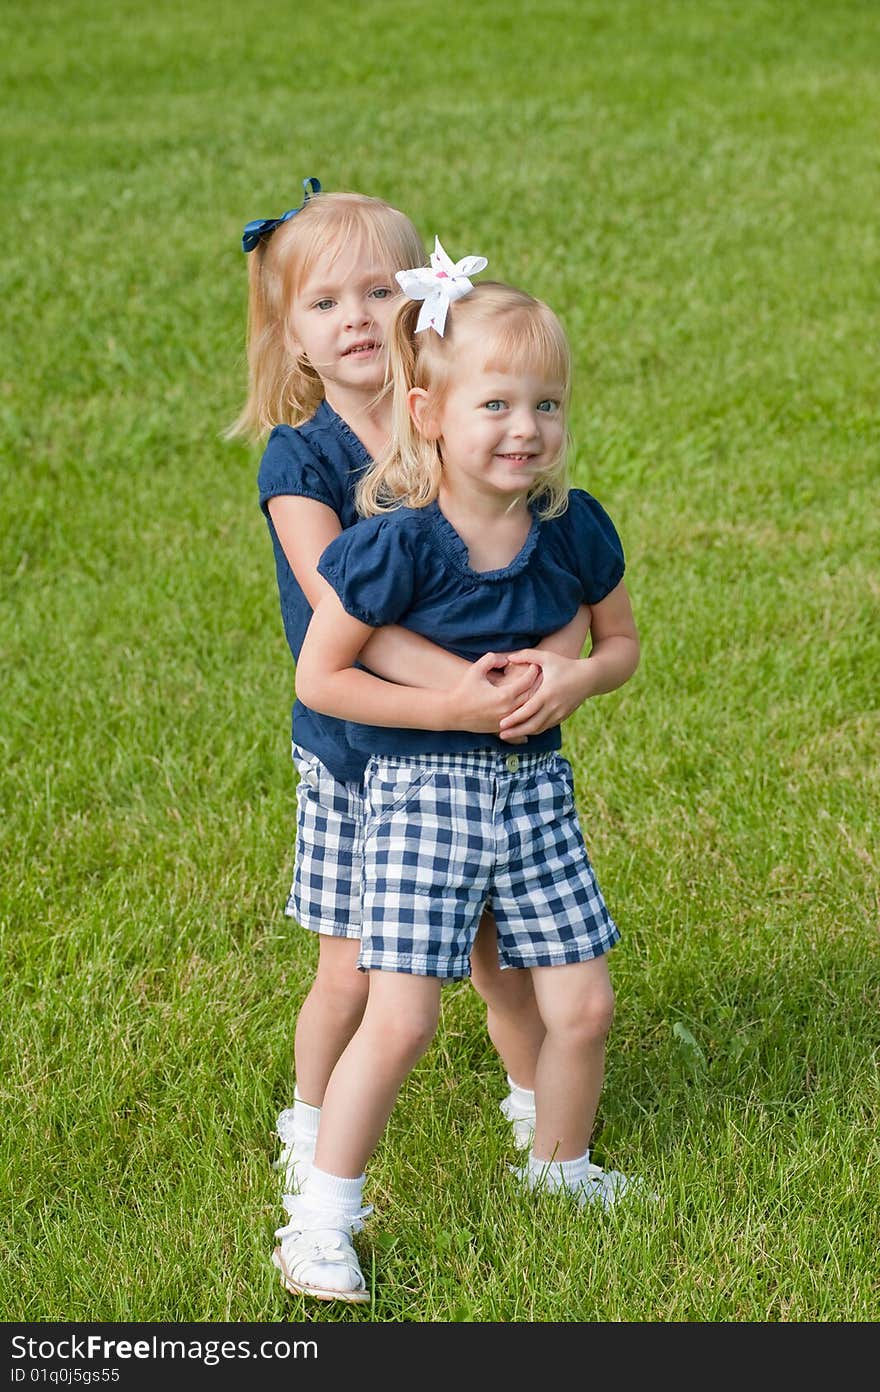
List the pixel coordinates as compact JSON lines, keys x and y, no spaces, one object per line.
{"x":497,"y":431}
{"x":338,"y":321}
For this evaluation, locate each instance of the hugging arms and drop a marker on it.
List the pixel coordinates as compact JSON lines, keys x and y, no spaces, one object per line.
{"x":516,"y":695}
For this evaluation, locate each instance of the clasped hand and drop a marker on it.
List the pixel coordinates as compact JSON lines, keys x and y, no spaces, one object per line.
{"x":516,"y":695}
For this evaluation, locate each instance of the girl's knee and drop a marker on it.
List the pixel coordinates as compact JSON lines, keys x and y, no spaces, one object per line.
{"x":504,"y":990}
{"x":585,"y":1022}
{"x":599,"y":1016}
{"x":404,"y":1036}
{"x":404,"y":1026}
{"x":507,"y":991}
{"x":338,"y":979}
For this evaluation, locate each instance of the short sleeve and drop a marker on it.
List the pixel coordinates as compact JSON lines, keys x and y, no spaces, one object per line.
{"x":598,"y":551}
{"x":291,"y":464}
{"x":372,"y":568}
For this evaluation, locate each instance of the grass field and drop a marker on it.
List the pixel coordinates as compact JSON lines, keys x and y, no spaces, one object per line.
{"x":694,"y":187}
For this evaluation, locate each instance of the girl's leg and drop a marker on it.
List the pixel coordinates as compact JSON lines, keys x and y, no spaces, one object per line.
{"x":315,"y":1254}
{"x":329,"y":1016}
{"x":512,"y":1017}
{"x":399,"y":1023}
{"x":577,"y":1005}
{"x":576,"y":1002}
{"x":326,"y":890}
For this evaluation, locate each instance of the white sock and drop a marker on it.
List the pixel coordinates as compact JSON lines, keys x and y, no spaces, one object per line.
{"x":558,"y":1174}
{"x":329,"y":1191}
{"x":298,"y":1125}
{"x":520,"y":1100}
{"x":306,"y":1119}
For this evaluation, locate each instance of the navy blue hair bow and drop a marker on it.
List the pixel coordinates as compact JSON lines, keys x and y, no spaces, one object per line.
{"x":261,"y":227}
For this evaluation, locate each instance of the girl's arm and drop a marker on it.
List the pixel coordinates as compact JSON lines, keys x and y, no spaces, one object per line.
{"x":326,"y":681}
{"x":566,"y":682}
{"x":305,"y":528}
{"x":411,"y":660}
{"x":569,"y":641}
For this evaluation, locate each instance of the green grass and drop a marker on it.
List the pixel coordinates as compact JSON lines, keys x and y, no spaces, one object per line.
{"x":694,"y":187}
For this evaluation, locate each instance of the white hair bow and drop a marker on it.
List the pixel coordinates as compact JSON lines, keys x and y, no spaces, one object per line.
{"x":438,"y":285}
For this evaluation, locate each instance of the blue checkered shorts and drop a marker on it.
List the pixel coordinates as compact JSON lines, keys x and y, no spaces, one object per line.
{"x":328,"y":863}
{"x":446,"y":835}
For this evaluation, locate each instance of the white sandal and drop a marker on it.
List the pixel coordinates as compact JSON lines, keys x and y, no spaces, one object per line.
{"x":315,"y":1255}
{"x":598,"y":1186}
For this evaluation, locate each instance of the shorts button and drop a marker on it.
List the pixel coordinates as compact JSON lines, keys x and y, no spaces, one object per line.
{"x":512,"y":762}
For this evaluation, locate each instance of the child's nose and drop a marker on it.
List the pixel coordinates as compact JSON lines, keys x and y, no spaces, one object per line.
{"x":357,"y":314}
{"x":524,"y":424}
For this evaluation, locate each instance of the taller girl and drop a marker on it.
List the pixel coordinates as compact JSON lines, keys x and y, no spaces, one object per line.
{"x":322,"y":291}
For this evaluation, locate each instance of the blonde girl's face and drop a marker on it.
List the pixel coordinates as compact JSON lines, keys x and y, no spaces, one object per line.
{"x":339,"y":318}
{"x":497,"y":431}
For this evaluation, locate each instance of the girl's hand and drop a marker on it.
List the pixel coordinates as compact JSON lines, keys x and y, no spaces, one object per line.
{"x":487,"y":692}
{"x":563,"y":684}
{"x":509,"y":677}
{"x":567,"y":682}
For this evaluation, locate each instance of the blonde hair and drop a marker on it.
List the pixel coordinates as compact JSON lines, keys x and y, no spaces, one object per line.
{"x":517,"y":333}
{"x":284,"y":389}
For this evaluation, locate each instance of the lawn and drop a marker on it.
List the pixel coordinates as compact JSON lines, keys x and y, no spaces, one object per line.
{"x":693,"y":186}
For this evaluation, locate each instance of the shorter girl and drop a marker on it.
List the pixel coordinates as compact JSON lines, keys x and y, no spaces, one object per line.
{"x":473,"y":540}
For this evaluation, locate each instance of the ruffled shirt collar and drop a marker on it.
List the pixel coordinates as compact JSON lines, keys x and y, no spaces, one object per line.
{"x":326,"y":416}
{"x":455,"y":549}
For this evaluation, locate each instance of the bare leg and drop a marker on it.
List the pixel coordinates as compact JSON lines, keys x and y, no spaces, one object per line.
{"x":398,"y":1025}
{"x":512,"y":1017}
{"x":329,"y":1015}
{"x":577,"y":1005}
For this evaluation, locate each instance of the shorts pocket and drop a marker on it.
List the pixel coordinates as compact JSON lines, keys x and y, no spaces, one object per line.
{"x":308,"y":768}
{"x":549,"y":794}
{"x":566,"y":778}
{"x":386,"y":790}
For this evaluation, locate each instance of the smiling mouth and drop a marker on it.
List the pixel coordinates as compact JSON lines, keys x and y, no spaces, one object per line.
{"x":368,"y":346}
{"x":518,"y":458}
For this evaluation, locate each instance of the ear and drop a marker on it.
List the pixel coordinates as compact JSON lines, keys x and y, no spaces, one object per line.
{"x":422,"y":414}
{"x":292,"y":344}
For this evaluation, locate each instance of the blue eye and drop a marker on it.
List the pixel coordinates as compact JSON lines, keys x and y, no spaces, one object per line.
{"x":324,"y":304}
{"x":494,"y":405}
{"x":548,"y":405}
{"x":381,"y":292}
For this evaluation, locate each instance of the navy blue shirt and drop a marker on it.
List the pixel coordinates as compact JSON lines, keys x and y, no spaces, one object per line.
{"x":322,"y":459}
{"x":410,"y":567}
